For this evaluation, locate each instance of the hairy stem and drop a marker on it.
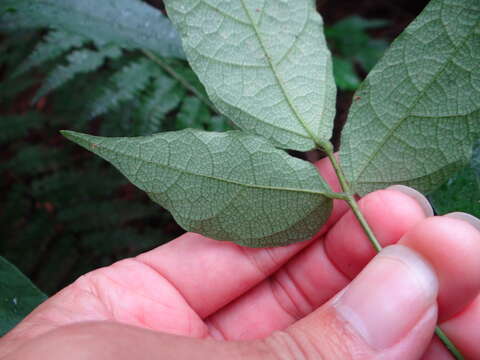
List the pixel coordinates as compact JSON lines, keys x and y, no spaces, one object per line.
{"x":167,"y":68}
{"x":371,"y":236}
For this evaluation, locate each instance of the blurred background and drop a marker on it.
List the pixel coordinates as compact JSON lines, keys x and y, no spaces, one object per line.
{"x":63,"y":211}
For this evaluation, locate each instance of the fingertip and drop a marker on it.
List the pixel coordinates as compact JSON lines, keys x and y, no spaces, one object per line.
{"x":420,"y":199}
{"x":468,"y":218}
{"x":452,"y":246}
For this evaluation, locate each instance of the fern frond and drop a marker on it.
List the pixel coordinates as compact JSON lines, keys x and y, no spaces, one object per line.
{"x":126,"y":23}
{"x":193,"y":114}
{"x":219,"y":123}
{"x":124,"y":85}
{"x":79,"y":62}
{"x":54,"y":44}
{"x":163,"y":96}
{"x":15,"y":48}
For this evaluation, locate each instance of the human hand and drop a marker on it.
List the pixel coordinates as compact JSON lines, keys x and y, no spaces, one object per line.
{"x":184,"y":299}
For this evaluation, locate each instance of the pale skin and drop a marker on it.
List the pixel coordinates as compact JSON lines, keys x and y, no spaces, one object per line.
{"x":196,"y":298}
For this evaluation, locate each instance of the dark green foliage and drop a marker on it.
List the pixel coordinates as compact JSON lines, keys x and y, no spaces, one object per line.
{"x":54,"y":44}
{"x":78,"y":62}
{"x":462,"y":191}
{"x":63,"y":212}
{"x":126,"y":23}
{"x":57,"y":218}
{"x":353,"y":46}
{"x":17,"y":126}
{"x":124,"y":85}
{"x":18,"y":296}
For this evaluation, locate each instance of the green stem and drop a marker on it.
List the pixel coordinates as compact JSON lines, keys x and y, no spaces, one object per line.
{"x":168,"y":69}
{"x":371,"y":236}
{"x":448,"y":344}
{"x":352,"y":202}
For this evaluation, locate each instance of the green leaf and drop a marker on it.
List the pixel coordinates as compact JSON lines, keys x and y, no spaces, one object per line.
{"x":475,"y":162}
{"x":345,"y":75}
{"x":79,"y":62}
{"x":127,"y":23}
{"x":124,"y":85}
{"x":18,"y":296}
{"x":350,"y":39}
{"x":219,"y":123}
{"x":371,"y":53}
{"x":228,"y":186}
{"x":193,"y":114}
{"x":461,"y":192}
{"x":265,"y":65}
{"x":416,"y":117}
{"x":161,"y":97}
{"x":55,"y":44}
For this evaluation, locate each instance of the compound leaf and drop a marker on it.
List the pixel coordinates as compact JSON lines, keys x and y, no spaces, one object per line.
{"x":127,"y":23}
{"x":124,"y":85}
{"x":193,"y":114}
{"x":18,"y":296}
{"x":416,"y":117}
{"x":79,"y":61}
{"x":54,"y":44}
{"x":229,"y":186}
{"x":264,"y":63}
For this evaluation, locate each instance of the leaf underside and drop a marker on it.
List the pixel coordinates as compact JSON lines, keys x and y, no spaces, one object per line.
{"x":264,"y":63}
{"x":228,"y":186}
{"x":416,"y":117}
{"x":18,"y":296}
{"x":130,"y":24}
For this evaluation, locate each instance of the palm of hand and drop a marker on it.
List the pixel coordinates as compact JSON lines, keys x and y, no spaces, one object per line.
{"x":202,"y":288}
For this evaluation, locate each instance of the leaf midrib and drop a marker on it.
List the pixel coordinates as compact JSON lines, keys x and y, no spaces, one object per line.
{"x":233,"y":182}
{"x":279,"y":80}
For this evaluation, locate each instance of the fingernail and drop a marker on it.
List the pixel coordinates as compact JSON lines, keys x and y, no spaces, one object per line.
{"x":472,"y":220}
{"x":389,"y":296}
{"x":417,"y":196}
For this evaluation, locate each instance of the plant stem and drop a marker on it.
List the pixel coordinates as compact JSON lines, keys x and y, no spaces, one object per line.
{"x":371,"y":236}
{"x":167,"y":68}
{"x":352,"y":202}
{"x":448,"y":344}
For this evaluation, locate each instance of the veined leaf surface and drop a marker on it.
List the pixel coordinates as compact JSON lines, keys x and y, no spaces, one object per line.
{"x":127,"y":23}
{"x":228,"y":186}
{"x":264,"y":63}
{"x":18,"y":296}
{"x":417,"y":115}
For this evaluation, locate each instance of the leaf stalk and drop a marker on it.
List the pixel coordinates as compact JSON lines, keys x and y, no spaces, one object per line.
{"x":352,"y":202}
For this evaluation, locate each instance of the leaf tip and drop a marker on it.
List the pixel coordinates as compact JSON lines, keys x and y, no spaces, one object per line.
{"x":68,"y":134}
{"x":75,"y":137}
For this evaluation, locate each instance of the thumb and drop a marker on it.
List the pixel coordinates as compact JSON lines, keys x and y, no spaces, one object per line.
{"x":389,"y":311}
